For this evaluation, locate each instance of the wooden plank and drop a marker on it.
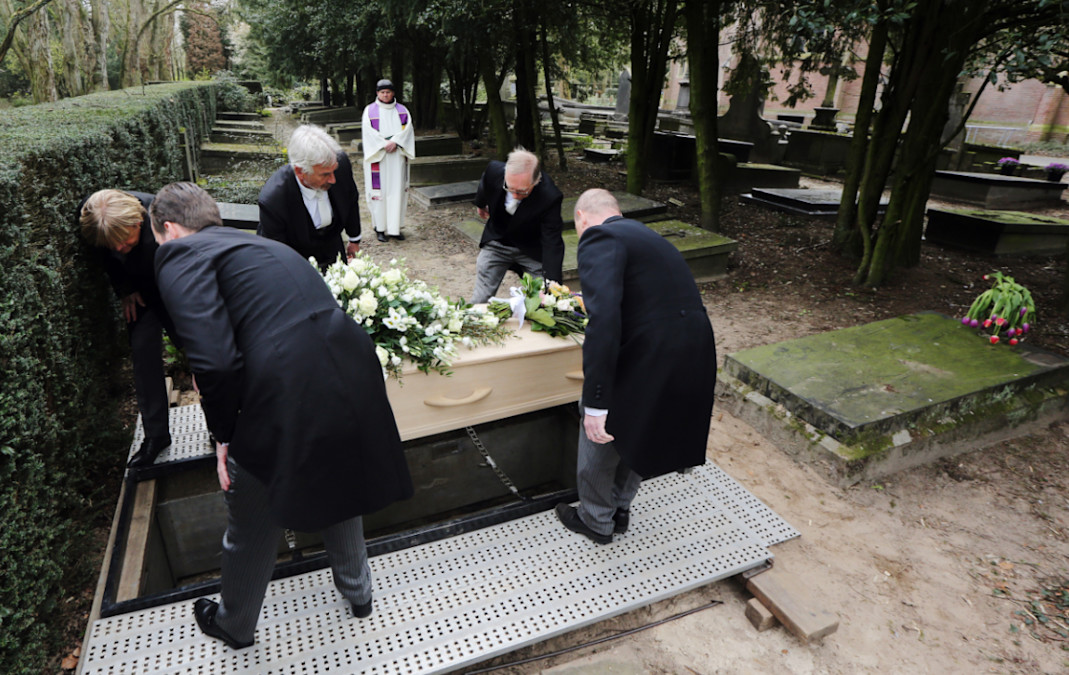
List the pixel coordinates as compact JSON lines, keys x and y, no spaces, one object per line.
{"x":133,"y":564}
{"x":759,"y":616}
{"x":792,"y":602}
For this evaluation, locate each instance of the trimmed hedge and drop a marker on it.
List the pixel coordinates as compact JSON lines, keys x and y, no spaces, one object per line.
{"x":62,"y":340}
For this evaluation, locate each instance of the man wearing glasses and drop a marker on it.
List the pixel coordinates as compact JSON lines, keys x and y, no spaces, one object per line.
{"x":521,"y":206}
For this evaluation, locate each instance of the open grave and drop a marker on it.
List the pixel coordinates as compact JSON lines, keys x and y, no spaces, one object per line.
{"x":997,"y":232}
{"x":470,"y":568}
{"x":867,"y":401}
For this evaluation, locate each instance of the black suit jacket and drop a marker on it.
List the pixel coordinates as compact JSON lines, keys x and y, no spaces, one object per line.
{"x":283,"y":216}
{"x":648,"y":355}
{"x":289,"y":379}
{"x":536,"y":226}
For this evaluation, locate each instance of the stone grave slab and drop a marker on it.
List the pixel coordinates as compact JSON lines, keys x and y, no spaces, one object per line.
{"x":222,"y":156}
{"x":706,"y":252}
{"x":346,"y":132}
{"x":246,"y":136}
{"x":346,"y":114}
{"x":600,"y":155}
{"x":240,"y":216}
{"x":801,"y":200}
{"x":996,"y":191}
{"x":439,"y":170}
{"x":746,"y":176}
{"x":867,"y":401}
{"x":435,"y":196}
{"x":998,"y":232}
{"x":631,"y":206}
{"x":239,"y":116}
{"x":440,"y":145}
{"x":817,"y":151}
{"x":238,"y":124}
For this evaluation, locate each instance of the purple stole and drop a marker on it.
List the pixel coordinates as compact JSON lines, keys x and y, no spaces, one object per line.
{"x":373,"y":117}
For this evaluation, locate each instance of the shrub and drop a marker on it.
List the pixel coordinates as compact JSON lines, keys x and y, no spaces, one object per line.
{"x":61,"y":337}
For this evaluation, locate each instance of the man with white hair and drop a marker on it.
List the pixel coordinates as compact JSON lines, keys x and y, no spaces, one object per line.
{"x":521,"y":206}
{"x":389,"y":142}
{"x":310,"y":201}
{"x":649,"y":366}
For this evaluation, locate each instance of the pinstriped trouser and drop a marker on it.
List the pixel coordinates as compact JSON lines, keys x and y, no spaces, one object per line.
{"x":605,"y":483}
{"x":250,"y":548}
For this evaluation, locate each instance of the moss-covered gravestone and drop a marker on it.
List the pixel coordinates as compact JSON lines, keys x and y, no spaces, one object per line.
{"x":871,"y":400}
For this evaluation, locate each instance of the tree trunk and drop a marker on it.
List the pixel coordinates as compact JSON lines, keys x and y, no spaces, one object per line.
{"x":75,"y":44}
{"x":42,"y":75}
{"x":703,"y":23}
{"x":397,"y":65}
{"x":426,"y":80}
{"x":101,"y":30}
{"x":846,"y":238}
{"x":528,"y":122}
{"x":549,"y":99}
{"x":652,"y":25}
{"x":494,"y":107}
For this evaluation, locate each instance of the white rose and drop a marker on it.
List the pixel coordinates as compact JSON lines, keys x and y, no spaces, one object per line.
{"x":350,"y":280}
{"x":392,"y":277}
{"x":455,"y":324}
{"x":384,"y":356}
{"x":395,"y":360}
{"x":490,"y":320}
{"x":368,"y":304}
{"x":547,"y":300}
{"x":564,"y":305}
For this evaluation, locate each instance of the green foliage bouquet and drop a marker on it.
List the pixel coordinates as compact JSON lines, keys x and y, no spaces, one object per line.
{"x":406,"y":318}
{"x":1005,"y":310}
{"x":550,"y":307}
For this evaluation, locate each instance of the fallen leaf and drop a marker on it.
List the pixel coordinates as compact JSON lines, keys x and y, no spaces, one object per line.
{"x":69,"y":662}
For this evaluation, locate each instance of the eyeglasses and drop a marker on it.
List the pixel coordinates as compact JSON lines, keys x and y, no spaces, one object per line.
{"x":523,"y":193}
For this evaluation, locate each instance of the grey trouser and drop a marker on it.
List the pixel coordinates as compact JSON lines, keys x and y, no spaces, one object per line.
{"x":250,"y":548}
{"x":494,"y":260}
{"x":604,"y":481}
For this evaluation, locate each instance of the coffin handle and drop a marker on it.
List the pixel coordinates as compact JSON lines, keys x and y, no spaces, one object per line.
{"x":574,"y":375}
{"x":446,"y":402}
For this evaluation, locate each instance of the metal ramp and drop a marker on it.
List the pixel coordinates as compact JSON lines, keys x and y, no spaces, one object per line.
{"x":459,"y":601}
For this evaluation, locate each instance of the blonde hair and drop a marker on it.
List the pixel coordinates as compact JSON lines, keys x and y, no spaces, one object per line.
{"x":109,"y":216}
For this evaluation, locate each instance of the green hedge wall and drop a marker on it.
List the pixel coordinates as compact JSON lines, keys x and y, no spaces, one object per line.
{"x":62,"y":342}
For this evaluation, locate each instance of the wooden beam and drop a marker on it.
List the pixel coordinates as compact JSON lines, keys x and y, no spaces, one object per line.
{"x":792,"y":602}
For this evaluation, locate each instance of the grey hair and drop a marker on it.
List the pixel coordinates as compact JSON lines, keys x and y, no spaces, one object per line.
{"x":522,"y":161}
{"x":310,"y":147}
{"x":597,"y":201}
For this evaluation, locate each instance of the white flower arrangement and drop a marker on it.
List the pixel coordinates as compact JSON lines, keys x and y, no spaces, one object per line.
{"x":406,"y":318}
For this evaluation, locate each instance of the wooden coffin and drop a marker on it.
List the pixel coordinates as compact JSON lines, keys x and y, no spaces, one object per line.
{"x":531,"y":371}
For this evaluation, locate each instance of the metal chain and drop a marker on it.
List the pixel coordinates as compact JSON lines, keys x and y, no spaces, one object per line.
{"x":501,"y":475}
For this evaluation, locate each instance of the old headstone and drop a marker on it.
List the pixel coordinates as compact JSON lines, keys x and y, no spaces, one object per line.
{"x":623,"y":93}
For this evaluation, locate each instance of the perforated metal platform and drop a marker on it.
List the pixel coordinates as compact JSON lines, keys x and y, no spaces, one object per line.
{"x":189,"y":435}
{"x":459,"y":601}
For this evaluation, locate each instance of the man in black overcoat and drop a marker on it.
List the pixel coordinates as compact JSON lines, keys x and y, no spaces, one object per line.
{"x":114,"y":223}
{"x":310,"y":201}
{"x":521,"y":206}
{"x":649,"y":366}
{"x":294,"y":394}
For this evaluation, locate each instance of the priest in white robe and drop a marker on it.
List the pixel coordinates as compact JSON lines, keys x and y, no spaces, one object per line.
{"x":389,"y":142}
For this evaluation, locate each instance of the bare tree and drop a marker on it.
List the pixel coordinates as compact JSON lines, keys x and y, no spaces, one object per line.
{"x":101,"y":28}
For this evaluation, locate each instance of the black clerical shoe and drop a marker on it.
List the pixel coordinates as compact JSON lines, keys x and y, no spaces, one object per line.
{"x":570,"y":519}
{"x":621,"y":520}
{"x":148,"y":452}
{"x":362,"y":611}
{"x":399,"y":236}
{"x":205,"y":609}
{"x":381,"y":236}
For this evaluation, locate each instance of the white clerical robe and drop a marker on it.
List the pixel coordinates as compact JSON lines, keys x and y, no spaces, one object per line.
{"x":388,"y":203}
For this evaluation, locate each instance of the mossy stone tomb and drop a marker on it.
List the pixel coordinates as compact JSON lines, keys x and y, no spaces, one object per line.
{"x":870,"y":400}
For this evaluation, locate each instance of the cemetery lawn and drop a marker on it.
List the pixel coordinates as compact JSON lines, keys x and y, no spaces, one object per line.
{"x":938,"y":569}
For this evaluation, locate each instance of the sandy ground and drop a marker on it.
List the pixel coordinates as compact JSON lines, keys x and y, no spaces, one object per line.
{"x":930,"y":571}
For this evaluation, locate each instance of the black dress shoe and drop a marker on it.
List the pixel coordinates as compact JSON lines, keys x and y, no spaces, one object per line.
{"x":399,"y":236}
{"x":362,"y":611}
{"x":205,"y":609}
{"x":621,"y":519}
{"x":381,"y":236}
{"x":570,"y":519}
{"x":148,"y":452}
